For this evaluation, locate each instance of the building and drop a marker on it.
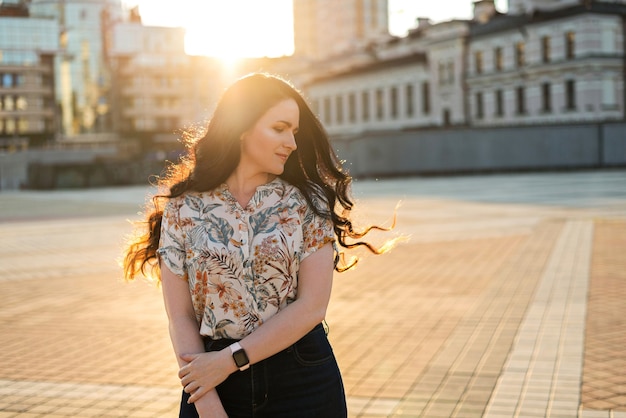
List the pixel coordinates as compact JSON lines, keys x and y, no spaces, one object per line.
{"x":28,"y":47}
{"x":325,"y":28}
{"x":83,"y":80}
{"x":154,"y":88}
{"x":546,"y":62}
{"x":556,"y":65}
{"x":406,"y":83}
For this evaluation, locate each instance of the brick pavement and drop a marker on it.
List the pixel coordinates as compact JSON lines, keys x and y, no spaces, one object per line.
{"x":506,"y":302}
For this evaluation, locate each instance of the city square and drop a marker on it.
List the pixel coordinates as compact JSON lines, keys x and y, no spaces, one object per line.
{"x":505,"y":301}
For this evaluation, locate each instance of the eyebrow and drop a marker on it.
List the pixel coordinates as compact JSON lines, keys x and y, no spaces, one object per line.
{"x":289,"y":124}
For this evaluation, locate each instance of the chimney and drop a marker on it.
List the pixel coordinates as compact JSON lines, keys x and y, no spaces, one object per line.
{"x":484,"y":10}
{"x":134,"y":15}
{"x":423,"y":22}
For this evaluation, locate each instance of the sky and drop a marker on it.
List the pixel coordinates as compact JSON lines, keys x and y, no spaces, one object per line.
{"x":256,"y":28}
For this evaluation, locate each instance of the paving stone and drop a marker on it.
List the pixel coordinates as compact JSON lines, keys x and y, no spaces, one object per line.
{"x":483,"y":312}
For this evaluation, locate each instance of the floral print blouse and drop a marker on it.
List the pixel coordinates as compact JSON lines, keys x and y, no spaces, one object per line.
{"x":241,"y":263}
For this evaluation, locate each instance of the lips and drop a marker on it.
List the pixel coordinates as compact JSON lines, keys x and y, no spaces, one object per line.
{"x":283,"y":157}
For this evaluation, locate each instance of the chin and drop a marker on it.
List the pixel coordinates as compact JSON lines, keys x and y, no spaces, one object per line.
{"x":277,"y":171}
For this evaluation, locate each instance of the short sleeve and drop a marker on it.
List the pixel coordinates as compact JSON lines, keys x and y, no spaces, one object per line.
{"x":171,"y":249}
{"x":317,"y":231}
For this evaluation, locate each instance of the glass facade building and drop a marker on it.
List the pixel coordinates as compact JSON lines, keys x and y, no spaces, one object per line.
{"x":84,"y":80}
{"x":27,"y":106}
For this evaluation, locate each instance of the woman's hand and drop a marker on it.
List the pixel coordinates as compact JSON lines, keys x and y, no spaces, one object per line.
{"x":204,"y":371}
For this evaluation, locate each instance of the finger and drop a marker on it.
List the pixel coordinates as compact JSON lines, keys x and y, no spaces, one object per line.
{"x":184,"y":371}
{"x":191,"y":388}
{"x":188,"y":357}
{"x":197,"y":394}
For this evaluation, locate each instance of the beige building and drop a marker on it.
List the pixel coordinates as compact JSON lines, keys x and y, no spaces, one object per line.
{"x":325,"y":28}
{"x":152,"y":84}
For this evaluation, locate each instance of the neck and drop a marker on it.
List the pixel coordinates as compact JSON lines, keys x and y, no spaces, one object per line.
{"x":243,"y":187}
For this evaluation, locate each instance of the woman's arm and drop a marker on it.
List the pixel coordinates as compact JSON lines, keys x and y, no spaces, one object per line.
{"x":184,"y":333}
{"x":279,"y":332}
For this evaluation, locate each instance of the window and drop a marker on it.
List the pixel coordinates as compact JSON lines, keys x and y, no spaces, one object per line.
{"x":9,"y":126}
{"x":327,"y":111}
{"x":425,"y":98}
{"x":339,"y":109}
{"x":479,"y":106}
{"x":520,"y":99}
{"x":570,"y":95}
{"x":609,"y":99}
{"x":545,"y":49}
{"x":450,"y":67}
{"x":352,"y":107}
{"x":165,"y":124}
{"x":442,"y":73}
{"x":22,"y":125}
{"x":161,"y":102}
{"x":546,"y":98}
{"x":478,"y":62}
{"x":498,"y":59}
{"x":7,"y":80}
{"x":447,"y":118}
{"x":315,"y":106}
{"x":609,"y":41}
{"x":409,"y":100}
{"x":446,"y":72}
{"x":9,"y":103}
{"x":394,"y":102}
{"x":365,"y":105}
{"x":380,"y":105}
{"x":520,"y":54}
{"x":499,"y":103}
{"x":570,"y":45}
{"x":21,"y":103}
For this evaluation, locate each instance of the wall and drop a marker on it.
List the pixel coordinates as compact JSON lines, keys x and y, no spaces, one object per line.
{"x":432,"y":151}
{"x":17,"y":168}
{"x":465,"y":150}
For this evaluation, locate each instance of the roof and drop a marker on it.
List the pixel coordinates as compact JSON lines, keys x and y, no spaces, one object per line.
{"x":503,"y":23}
{"x":418,"y":57}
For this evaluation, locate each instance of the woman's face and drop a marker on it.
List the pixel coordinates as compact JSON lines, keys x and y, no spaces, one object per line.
{"x":266,"y":146}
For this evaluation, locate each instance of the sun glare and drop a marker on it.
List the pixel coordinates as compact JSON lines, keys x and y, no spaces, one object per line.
{"x":228,"y":29}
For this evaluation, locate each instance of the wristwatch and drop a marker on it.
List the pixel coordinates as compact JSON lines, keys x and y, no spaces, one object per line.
{"x":240,"y":356}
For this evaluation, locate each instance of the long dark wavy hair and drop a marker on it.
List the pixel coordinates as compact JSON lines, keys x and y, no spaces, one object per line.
{"x":313,"y":168}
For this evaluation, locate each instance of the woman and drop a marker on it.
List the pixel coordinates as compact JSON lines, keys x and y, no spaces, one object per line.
{"x":245,"y":247}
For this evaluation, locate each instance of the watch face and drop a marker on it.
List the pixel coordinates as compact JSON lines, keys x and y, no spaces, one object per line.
{"x":241,"y":358}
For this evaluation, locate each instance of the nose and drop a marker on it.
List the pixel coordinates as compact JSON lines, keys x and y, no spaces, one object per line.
{"x":290,"y":143}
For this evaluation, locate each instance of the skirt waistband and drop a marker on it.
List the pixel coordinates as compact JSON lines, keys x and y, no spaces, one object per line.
{"x":221,"y":343}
